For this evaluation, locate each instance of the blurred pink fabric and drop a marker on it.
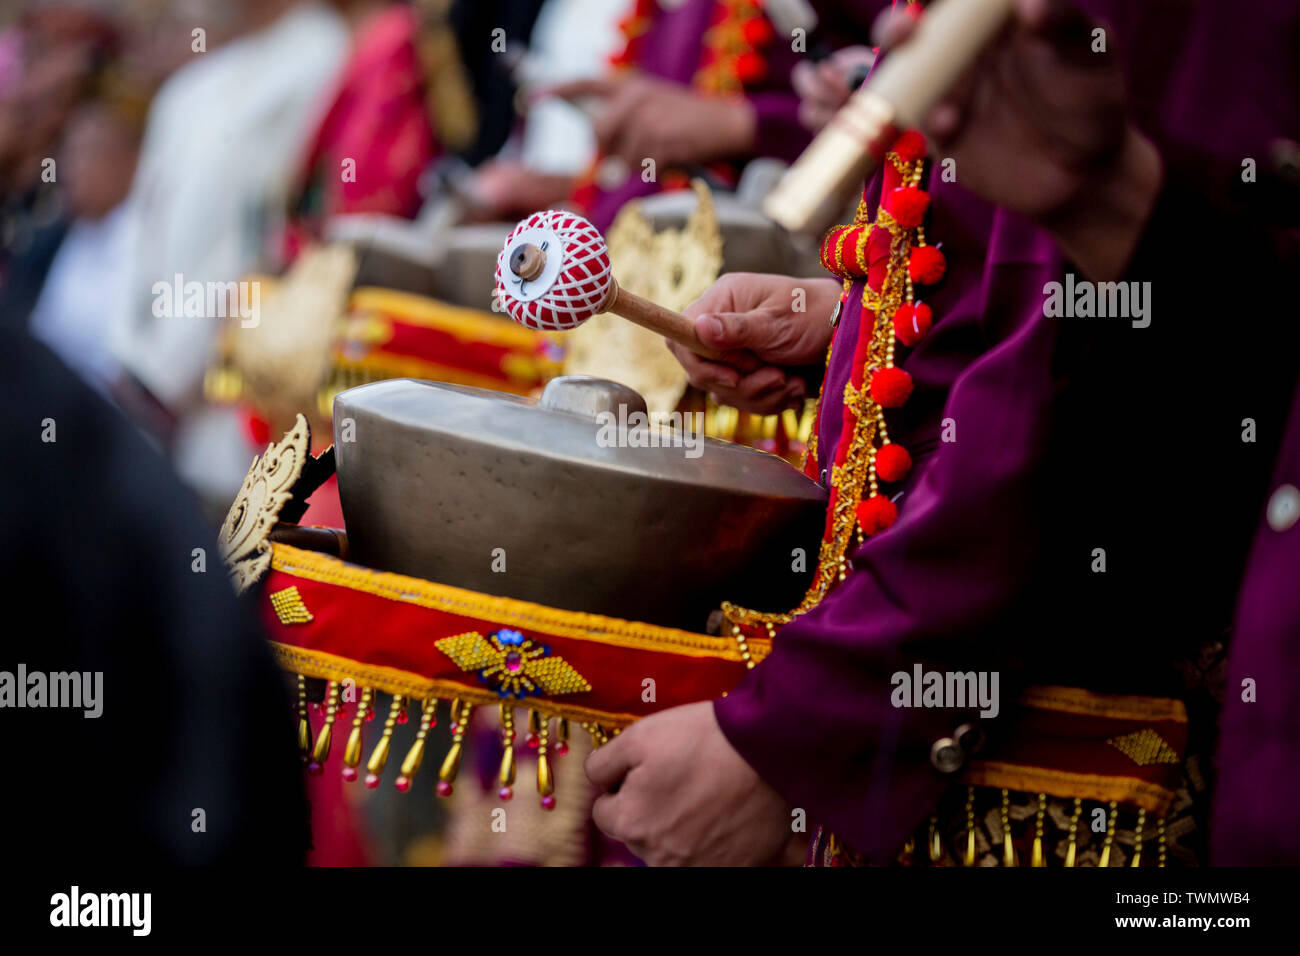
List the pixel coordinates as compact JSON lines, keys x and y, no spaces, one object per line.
{"x":377,"y":137}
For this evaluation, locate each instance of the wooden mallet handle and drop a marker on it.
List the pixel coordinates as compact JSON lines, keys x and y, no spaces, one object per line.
{"x":648,"y":315}
{"x":528,"y":262}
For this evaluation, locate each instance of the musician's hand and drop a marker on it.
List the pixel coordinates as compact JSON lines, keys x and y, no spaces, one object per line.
{"x":765,"y":326}
{"x":642,"y":117}
{"x":1041,"y":125}
{"x":825,"y":86}
{"x":506,"y":189}
{"x":684,"y":796}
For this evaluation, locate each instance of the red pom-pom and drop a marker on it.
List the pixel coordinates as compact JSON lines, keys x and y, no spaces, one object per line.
{"x":910,"y":146}
{"x":876,"y":514}
{"x":750,"y":67}
{"x":890,"y":387}
{"x":756,"y":31}
{"x":893,"y":462}
{"x":926,"y":265}
{"x":258,"y":429}
{"x":907,"y":204}
{"x":911,"y":322}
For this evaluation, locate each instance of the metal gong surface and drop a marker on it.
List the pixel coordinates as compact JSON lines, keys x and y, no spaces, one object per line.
{"x":483,"y":490}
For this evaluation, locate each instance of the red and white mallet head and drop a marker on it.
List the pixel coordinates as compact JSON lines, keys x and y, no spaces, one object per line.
{"x":553,"y":273}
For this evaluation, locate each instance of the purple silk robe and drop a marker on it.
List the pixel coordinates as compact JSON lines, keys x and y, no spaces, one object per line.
{"x":672,"y":51}
{"x":1071,"y":435}
{"x":1255,"y":819}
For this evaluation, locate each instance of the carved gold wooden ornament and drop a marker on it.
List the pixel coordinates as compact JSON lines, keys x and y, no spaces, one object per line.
{"x":267,"y":488}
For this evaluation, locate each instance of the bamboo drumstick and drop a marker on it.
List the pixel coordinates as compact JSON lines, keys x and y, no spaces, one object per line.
{"x":909,"y":81}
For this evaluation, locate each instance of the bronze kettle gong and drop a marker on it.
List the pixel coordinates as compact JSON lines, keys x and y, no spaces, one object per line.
{"x":498,"y":494}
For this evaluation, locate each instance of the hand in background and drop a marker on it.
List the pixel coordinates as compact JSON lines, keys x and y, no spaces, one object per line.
{"x":640,"y":117}
{"x":824,"y":87}
{"x":506,"y":189}
{"x":1040,"y":125}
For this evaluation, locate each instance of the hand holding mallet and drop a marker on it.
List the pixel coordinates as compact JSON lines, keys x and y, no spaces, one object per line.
{"x":554,"y":274}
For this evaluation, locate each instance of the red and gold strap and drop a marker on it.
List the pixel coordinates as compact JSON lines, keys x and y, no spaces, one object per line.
{"x":403,"y":635}
{"x":395,"y":334}
{"x":1068,"y":742}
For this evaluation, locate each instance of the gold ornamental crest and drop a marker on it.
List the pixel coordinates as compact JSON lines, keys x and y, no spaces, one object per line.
{"x":267,"y":488}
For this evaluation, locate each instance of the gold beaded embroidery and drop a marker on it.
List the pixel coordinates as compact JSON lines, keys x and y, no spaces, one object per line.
{"x":520,"y":670}
{"x":855,"y":478}
{"x":289,"y":607}
{"x":1144,"y":747}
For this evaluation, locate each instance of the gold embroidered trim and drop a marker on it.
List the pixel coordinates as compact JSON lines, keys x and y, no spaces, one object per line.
{"x":1074,"y":700}
{"x":855,"y":478}
{"x":507,"y":611}
{"x":1061,"y":783}
{"x":392,"y":680}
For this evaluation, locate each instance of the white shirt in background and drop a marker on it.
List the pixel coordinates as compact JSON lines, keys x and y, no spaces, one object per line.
{"x":572,"y":40}
{"x":224,"y":138}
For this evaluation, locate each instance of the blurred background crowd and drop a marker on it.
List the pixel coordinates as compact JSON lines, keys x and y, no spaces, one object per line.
{"x":152,"y":141}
